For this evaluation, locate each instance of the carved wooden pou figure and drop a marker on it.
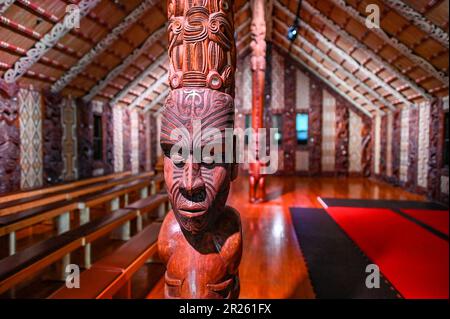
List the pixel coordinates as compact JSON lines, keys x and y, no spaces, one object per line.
{"x":258,"y":60}
{"x":200,"y":240}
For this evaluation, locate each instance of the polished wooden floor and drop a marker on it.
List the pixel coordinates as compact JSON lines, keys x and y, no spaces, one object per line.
{"x":272,"y":263}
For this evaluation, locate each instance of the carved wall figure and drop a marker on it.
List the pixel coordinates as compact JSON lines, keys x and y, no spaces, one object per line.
{"x":258,"y":62}
{"x":9,"y":139}
{"x":200,"y":240}
{"x":52,"y":138}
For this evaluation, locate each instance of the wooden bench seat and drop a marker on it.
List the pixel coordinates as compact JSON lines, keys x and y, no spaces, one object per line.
{"x":18,"y":267}
{"x":11,"y":223}
{"x":112,"y":274}
{"x":60,"y":187}
{"x":40,"y":200}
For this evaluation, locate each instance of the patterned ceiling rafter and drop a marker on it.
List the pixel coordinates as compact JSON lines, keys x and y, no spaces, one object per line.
{"x":349,"y":59}
{"x":332,"y":76}
{"x":357,"y":44}
{"x":325,"y":80}
{"x":149,"y":70}
{"x":47,"y":42}
{"x":424,"y":64}
{"x":5,"y":4}
{"x":161,"y":97}
{"x":151,"y":40}
{"x":348,"y":74}
{"x":420,"y":21}
{"x":149,"y":90}
{"x":101,"y":46}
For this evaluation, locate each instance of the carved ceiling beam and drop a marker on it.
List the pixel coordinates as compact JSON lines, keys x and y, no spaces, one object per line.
{"x":148,"y":91}
{"x":406,"y":51}
{"x":348,"y":58}
{"x":339,"y":67}
{"x":5,"y":4}
{"x":47,"y":42}
{"x":332,"y":77}
{"x":269,"y":19}
{"x":101,"y":46}
{"x":419,"y":21}
{"x":243,"y":26}
{"x":357,"y":44}
{"x":157,"y":100}
{"x":151,"y":40}
{"x":149,"y":70}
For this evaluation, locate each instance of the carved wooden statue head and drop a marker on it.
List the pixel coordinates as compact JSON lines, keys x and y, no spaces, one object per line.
{"x":198,"y":181}
{"x":200,"y":240}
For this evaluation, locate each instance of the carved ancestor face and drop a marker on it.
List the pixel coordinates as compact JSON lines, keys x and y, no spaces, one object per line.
{"x":195,"y":169}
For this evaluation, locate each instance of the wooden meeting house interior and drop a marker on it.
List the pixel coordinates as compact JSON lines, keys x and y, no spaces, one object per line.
{"x":358,"y":93}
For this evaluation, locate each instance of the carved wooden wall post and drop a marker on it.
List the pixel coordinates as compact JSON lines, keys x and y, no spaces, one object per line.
{"x":200,"y":239}
{"x":258,"y":61}
{"x":9,"y":138}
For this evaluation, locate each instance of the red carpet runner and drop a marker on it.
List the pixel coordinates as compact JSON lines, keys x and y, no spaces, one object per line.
{"x":414,"y":260}
{"x":436,"y":219}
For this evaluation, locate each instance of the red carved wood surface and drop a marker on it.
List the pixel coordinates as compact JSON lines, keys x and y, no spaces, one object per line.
{"x":142,"y":142}
{"x":315,"y":124}
{"x":367,"y":147}
{"x":52,"y":138}
{"x":126,"y":118}
{"x":153,"y":140}
{"x":396,"y":138}
{"x":9,"y":143}
{"x":108,"y":139}
{"x":383,"y":145}
{"x":435,"y":155}
{"x":342,"y":137}
{"x":413,"y":150}
{"x":258,"y":63}
{"x":200,"y":240}
{"x":289,"y":138}
{"x":85,"y":124}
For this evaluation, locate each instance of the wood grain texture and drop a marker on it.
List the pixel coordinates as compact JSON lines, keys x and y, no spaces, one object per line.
{"x":52,"y":138}
{"x":396,"y":137}
{"x":126,"y":120}
{"x":383,"y":146}
{"x":201,"y":240}
{"x":108,"y":139}
{"x":413,"y":151}
{"x":9,"y":143}
{"x":342,"y":137}
{"x":289,"y":133}
{"x":85,"y":124}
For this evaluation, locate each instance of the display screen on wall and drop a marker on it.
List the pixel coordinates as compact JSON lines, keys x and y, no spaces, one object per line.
{"x":302,"y":128}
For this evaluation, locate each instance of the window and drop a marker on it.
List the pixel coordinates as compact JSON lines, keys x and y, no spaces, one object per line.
{"x":248,"y":124}
{"x":301,"y":125}
{"x":98,"y":138}
{"x":446,"y":141}
{"x":277,"y":122}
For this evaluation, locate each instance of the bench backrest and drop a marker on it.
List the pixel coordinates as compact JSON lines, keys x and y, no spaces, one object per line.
{"x":57,"y":188}
{"x":40,"y":200}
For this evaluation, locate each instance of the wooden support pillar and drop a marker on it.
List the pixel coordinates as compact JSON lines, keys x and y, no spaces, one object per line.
{"x":85,"y":218}
{"x":258,"y":64}
{"x":122,"y":232}
{"x":62,"y":226}
{"x":12,"y":243}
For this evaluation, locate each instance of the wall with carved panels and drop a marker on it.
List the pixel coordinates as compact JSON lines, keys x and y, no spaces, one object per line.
{"x":329,"y":150}
{"x":415,"y":150}
{"x":31,"y":142}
